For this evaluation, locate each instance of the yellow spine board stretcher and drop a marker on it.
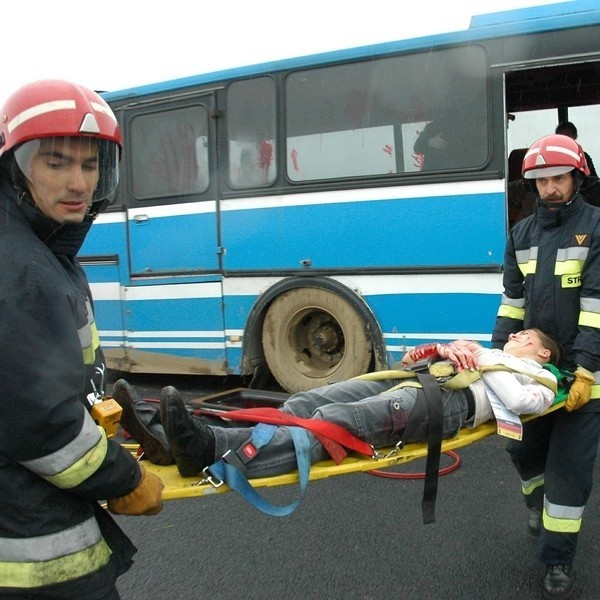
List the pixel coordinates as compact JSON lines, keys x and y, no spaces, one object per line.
{"x":177,"y":487}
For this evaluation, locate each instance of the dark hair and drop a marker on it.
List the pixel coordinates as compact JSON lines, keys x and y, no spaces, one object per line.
{"x":551,"y":344}
{"x":567,"y":128}
{"x":10,"y":170}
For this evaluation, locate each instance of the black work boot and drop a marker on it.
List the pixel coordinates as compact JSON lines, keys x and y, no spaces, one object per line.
{"x":191,"y":440}
{"x":142,"y":421}
{"x":534,"y":522}
{"x":558,"y":582}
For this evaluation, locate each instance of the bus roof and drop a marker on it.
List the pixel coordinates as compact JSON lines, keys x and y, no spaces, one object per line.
{"x":549,"y":17}
{"x":584,"y":12}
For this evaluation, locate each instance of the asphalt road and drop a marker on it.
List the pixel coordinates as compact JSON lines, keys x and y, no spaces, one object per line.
{"x":354,"y":537}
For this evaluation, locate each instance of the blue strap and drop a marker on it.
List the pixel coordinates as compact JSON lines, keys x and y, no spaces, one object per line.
{"x":238,"y":482}
{"x":262,"y":434}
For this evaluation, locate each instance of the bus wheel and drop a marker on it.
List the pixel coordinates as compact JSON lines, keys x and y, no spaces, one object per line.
{"x":313,"y":337}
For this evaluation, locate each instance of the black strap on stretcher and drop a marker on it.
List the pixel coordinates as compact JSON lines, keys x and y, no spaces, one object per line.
{"x":432,"y":411}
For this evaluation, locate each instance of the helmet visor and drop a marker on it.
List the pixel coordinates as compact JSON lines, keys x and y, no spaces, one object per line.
{"x":88,"y":164}
{"x":546,"y":172}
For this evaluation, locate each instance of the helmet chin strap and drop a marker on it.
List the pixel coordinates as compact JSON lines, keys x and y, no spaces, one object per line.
{"x":96,"y":208}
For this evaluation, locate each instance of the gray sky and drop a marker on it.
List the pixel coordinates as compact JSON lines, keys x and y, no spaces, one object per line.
{"x":112,"y":44}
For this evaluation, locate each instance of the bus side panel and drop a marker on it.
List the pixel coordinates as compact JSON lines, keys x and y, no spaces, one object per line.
{"x":176,"y":328}
{"x":414,"y":309}
{"x":108,"y":309}
{"x":107,"y":238}
{"x":173,"y":238}
{"x":412,"y":319}
{"x":350,"y":230}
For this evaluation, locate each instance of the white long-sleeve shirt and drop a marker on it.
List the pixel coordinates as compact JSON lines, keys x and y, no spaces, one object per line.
{"x":520,"y":392}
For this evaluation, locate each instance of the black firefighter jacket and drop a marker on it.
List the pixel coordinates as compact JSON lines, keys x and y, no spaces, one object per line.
{"x":55,"y":462}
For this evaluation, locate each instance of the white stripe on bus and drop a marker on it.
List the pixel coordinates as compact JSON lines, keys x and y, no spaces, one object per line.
{"x":363,"y":285}
{"x":404,"y":192}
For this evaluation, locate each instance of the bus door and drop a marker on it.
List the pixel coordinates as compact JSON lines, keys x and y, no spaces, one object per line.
{"x":171,"y":215}
{"x":174,"y":317}
{"x":538,"y":98}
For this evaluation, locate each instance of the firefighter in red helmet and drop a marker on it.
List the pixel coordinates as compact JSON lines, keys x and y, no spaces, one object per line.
{"x":59,"y":158}
{"x":552,"y":282}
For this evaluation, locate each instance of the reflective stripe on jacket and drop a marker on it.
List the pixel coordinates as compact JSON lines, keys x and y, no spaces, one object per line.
{"x":50,"y":559}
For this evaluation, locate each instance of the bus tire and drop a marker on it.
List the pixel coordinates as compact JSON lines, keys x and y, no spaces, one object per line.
{"x":313,"y":337}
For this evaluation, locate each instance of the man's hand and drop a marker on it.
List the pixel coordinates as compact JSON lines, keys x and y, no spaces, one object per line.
{"x":144,"y":500}
{"x":581,"y":389}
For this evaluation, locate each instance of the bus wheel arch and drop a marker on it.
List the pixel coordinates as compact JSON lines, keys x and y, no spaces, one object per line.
{"x":310,"y":331}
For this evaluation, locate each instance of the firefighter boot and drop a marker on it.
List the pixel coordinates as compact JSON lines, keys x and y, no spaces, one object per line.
{"x":142,"y":421}
{"x":191,"y":440}
{"x":558,"y":582}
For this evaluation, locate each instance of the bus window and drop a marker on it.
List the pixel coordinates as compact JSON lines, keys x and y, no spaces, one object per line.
{"x":527,"y":126}
{"x":364,"y":119}
{"x":169,"y":153}
{"x":251,"y":133}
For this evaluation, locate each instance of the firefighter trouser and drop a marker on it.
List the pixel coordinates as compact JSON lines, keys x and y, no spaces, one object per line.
{"x":555,"y":461}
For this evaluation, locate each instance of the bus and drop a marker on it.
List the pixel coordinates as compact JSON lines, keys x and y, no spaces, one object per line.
{"x":307,"y":220}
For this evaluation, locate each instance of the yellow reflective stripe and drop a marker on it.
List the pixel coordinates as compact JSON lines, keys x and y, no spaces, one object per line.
{"x":528,"y":267}
{"x":595,"y":392}
{"x":558,"y":525}
{"x":57,"y":570}
{"x":512,"y":312}
{"x":83,"y":468}
{"x":562,"y":519}
{"x":89,"y":352}
{"x":528,"y":487}
{"x":89,"y":356}
{"x":568,"y":267}
{"x":589,"y":319}
{"x":95,"y":336}
{"x":89,"y":338}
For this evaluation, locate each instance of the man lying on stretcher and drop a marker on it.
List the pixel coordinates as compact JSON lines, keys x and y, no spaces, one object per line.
{"x":376,"y":411}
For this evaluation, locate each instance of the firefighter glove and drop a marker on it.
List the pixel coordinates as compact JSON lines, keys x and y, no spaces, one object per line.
{"x":581,"y":389}
{"x":144,"y":500}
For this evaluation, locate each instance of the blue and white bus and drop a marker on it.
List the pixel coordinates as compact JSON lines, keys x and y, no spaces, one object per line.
{"x":312,"y":219}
